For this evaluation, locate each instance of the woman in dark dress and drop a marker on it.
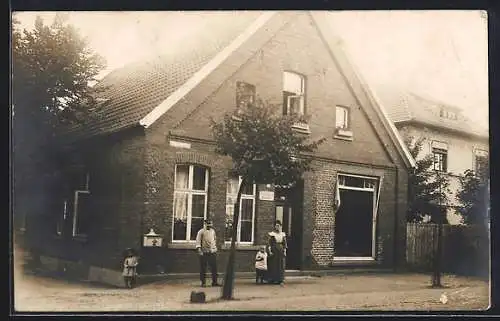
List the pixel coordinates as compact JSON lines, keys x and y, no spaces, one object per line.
{"x":276,"y":259}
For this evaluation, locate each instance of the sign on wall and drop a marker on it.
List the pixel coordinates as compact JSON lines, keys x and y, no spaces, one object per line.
{"x":266,"y":195}
{"x":266,"y":192}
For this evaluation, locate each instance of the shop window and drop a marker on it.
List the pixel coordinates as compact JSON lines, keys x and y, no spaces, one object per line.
{"x":246,"y":221}
{"x":190,"y":201}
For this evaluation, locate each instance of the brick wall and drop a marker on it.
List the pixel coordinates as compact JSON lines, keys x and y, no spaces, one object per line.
{"x":319,"y":218}
{"x":116,"y":184}
{"x":160,"y":175}
{"x":261,"y":62}
{"x":325,"y":88}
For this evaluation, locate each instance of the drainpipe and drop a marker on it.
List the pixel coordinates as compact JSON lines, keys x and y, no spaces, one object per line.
{"x":396,"y":219}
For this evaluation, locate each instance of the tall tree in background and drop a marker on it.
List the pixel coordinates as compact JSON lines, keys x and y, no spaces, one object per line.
{"x":427,"y":190}
{"x":265,"y":149}
{"x":473,"y":195}
{"x":52,"y":67}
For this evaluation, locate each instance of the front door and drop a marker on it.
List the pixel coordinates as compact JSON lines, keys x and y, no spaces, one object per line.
{"x":289,"y":212}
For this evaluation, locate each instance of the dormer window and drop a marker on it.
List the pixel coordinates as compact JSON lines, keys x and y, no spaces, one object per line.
{"x":443,"y":113}
{"x":293,"y":93}
{"x":245,"y":94}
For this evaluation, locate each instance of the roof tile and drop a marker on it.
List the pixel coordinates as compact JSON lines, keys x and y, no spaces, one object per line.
{"x":137,"y":88}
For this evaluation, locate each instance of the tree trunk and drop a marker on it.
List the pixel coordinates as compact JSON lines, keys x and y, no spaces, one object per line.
{"x":227,"y":289}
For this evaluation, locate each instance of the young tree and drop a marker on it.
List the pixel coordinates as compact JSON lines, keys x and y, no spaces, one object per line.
{"x":265,"y":149}
{"x":427,"y":189}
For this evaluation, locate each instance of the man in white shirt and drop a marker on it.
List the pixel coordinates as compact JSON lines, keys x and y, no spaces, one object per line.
{"x":206,"y":245}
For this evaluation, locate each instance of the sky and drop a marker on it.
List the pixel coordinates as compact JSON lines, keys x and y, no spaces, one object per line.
{"x":438,"y":54}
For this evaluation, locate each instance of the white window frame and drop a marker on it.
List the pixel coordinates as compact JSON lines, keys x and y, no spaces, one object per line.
{"x":190,"y":192}
{"x":75,"y":213}
{"x":298,"y":95}
{"x":373,"y":188}
{"x":60,"y":223}
{"x":231,"y":206}
{"x":478,"y":152}
{"x":440,"y":151}
{"x":345,"y":121}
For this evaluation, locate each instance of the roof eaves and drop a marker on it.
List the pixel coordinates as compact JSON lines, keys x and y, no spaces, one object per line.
{"x":206,"y":70}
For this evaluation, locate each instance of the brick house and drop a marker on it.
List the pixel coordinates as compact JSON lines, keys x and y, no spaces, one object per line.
{"x":456,"y":142}
{"x":146,"y":160}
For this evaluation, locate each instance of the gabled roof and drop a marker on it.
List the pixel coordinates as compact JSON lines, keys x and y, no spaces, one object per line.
{"x":135,"y":90}
{"x":141,"y":93}
{"x":410,"y":107}
{"x":360,"y":87}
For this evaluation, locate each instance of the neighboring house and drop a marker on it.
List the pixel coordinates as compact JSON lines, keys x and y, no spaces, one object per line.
{"x":147,"y":159}
{"x":456,"y":142}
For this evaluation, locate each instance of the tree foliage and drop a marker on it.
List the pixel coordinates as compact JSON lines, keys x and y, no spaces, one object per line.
{"x":473,"y":195}
{"x":263,"y":145}
{"x":427,"y":188}
{"x":265,"y":149}
{"x":52,"y":66}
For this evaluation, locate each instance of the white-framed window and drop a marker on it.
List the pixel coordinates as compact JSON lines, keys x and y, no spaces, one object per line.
{"x":245,"y":94}
{"x":480,"y":160}
{"x":81,"y":204}
{"x":190,"y":201}
{"x":440,"y":155}
{"x":81,"y":213}
{"x":443,"y":113}
{"x":293,"y":93}
{"x":440,"y":159}
{"x":342,"y":118}
{"x":246,"y":223}
{"x":61,"y":218}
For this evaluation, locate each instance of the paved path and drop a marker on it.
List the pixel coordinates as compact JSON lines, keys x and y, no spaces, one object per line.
{"x":348,"y":292}
{"x":393,"y":292}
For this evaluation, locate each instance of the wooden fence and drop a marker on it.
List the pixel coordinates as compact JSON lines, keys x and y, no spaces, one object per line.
{"x":465,"y":249}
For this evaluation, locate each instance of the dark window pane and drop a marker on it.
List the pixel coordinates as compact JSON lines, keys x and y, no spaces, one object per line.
{"x":83,"y":218}
{"x":245,"y":94}
{"x":248,"y":189}
{"x":354,"y":181}
{"x":228,"y":222}
{"x":246,"y":231}
{"x":198,"y":207}
{"x":199,"y":178}
{"x":180,"y":226}
{"x":246,"y":209}
{"x":196,"y":225}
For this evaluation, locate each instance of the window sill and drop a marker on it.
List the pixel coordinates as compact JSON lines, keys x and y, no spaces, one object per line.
{"x":241,"y":247}
{"x":343,"y":134}
{"x":301,"y":128}
{"x":80,"y":238}
{"x":182,"y":245}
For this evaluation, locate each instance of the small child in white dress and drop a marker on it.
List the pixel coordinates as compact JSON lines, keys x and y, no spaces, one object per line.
{"x":130,"y":268}
{"x":261,"y":265}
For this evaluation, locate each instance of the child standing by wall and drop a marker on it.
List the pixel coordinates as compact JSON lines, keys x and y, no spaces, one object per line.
{"x":130,"y":268}
{"x":261,"y":265}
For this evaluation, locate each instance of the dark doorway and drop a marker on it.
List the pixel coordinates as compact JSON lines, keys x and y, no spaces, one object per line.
{"x":354,"y":224}
{"x":289,"y":211}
